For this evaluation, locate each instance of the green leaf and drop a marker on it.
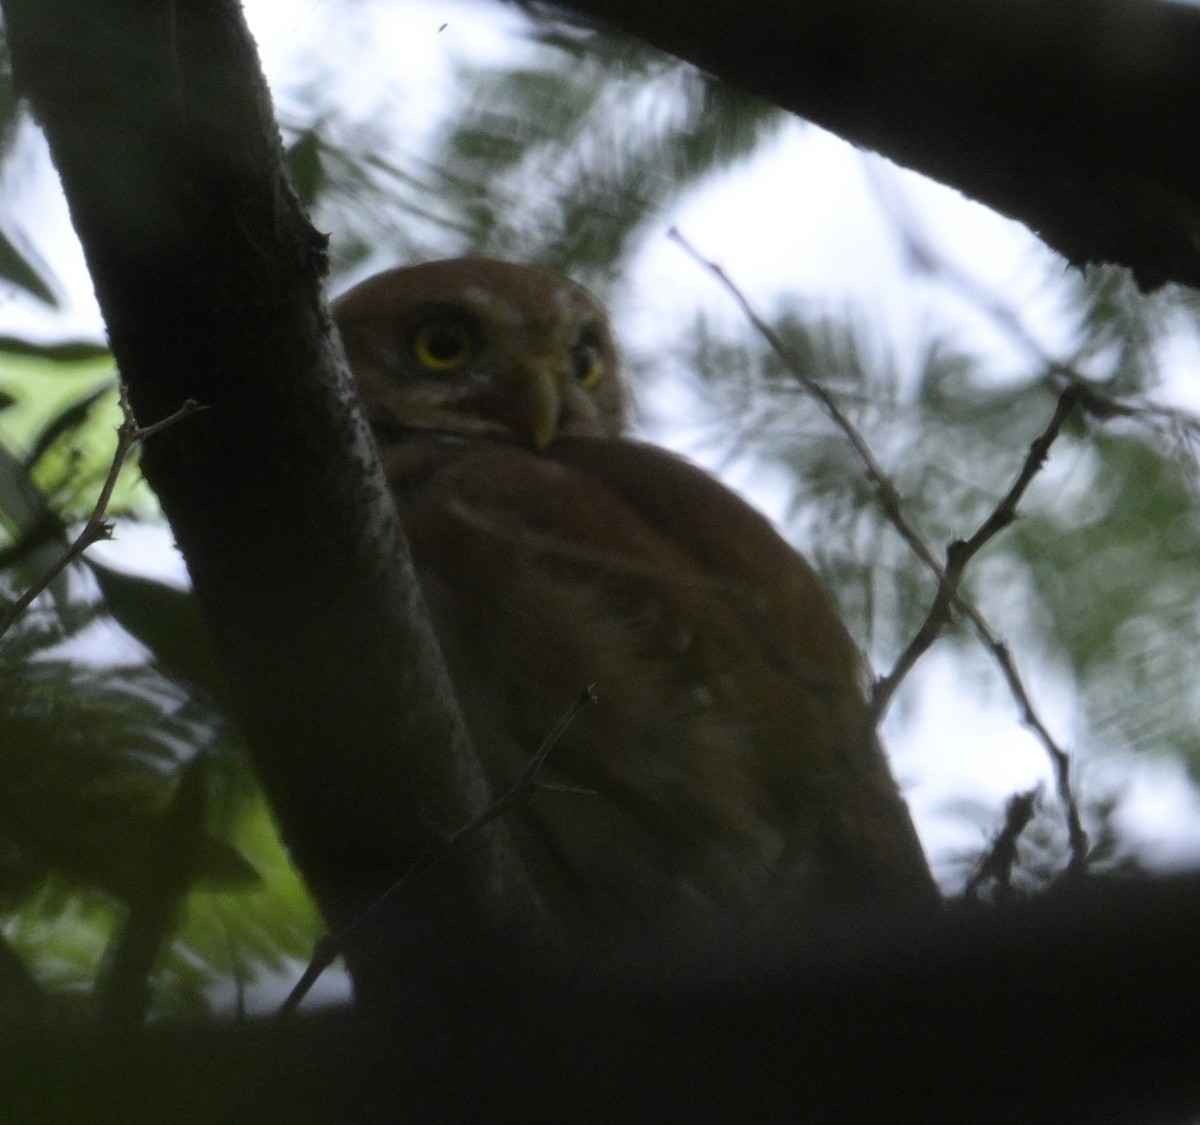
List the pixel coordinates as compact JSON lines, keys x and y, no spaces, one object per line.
{"x":87,"y":754}
{"x":16,"y":268}
{"x":66,"y":351}
{"x":305,"y":162}
{"x":37,"y":540}
{"x":168,"y":622}
{"x":21,"y":502}
{"x":70,"y":418}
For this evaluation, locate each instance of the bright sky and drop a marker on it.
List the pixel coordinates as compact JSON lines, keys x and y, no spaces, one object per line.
{"x":803,"y":216}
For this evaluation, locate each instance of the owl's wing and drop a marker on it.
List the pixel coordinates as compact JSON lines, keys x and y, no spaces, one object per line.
{"x":790,"y":620}
{"x":781,"y":600}
{"x":729,"y":759}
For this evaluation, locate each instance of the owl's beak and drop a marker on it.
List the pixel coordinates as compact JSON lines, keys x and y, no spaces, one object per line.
{"x":540,"y":400}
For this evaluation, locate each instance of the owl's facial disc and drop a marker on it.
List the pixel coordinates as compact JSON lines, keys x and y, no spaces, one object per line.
{"x":473,"y":348}
{"x":536,"y":382}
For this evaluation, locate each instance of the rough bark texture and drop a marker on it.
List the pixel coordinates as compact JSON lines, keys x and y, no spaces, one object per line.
{"x":209,"y":277}
{"x":1081,"y":118}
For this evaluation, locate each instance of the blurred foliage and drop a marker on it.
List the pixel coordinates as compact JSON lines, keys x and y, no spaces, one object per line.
{"x":94,"y":743}
{"x":560,"y":158}
{"x":1098,"y":575}
{"x":565,"y":155}
{"x":562,"y":161}
{"x":91,"y":755}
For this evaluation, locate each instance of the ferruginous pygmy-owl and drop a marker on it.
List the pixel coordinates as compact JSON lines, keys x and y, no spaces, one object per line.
{"x":728,"y":768}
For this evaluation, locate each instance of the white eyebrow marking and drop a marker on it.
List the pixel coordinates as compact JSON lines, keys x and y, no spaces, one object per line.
{"x":485,"y":300}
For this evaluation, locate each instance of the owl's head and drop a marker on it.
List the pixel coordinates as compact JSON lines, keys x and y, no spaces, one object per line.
{"x":473,"y":347}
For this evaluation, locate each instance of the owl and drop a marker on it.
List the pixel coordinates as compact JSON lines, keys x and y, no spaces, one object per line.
{"x":728,"y":770}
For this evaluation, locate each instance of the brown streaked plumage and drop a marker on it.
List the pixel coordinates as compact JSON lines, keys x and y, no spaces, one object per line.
{"x":728,"y":768}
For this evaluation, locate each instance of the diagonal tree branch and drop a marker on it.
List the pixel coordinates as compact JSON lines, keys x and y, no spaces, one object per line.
{"x":1078,"y":117}
{"x":1075,"y":1008}
{"x":97,"y":527}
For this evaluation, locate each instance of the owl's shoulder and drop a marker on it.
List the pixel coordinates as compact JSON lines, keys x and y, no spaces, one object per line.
{"x":630,"y":512}
{"x":614,"y":491}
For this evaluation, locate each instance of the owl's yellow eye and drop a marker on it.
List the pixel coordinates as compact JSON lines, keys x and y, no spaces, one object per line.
{"x":587,"y":362}
{"x":442,"y":343}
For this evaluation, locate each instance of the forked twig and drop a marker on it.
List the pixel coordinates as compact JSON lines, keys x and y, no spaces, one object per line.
{"x":328,"y":948}
{"x":98,"y":528}
{"x":962,"y":551}
{"x":998,"y":862}
{"x":948,"y":596}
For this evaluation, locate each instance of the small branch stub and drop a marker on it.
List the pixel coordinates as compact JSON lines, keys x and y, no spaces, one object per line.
{"x":98,"y":528}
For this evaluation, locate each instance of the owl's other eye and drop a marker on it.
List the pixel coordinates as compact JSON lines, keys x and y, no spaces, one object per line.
{"x":587,"y":361}
{"x":442,"y":343}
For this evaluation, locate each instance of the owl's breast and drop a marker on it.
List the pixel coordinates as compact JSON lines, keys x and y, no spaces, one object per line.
{"x":730,"y":717}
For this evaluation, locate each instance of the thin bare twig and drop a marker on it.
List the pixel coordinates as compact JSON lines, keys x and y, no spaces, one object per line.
{"x":328,"y":948}
{"x":1075,"y":389}
{"x":948,"y":596}
{"x":886,"y":493}
{"x":961,"y":552}
{"x":998,"y":862}
{"x":98,"y":528}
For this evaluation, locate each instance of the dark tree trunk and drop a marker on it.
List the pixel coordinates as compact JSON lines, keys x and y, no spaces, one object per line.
{"x":1081,"y":118}
{"x":210,"y":278}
